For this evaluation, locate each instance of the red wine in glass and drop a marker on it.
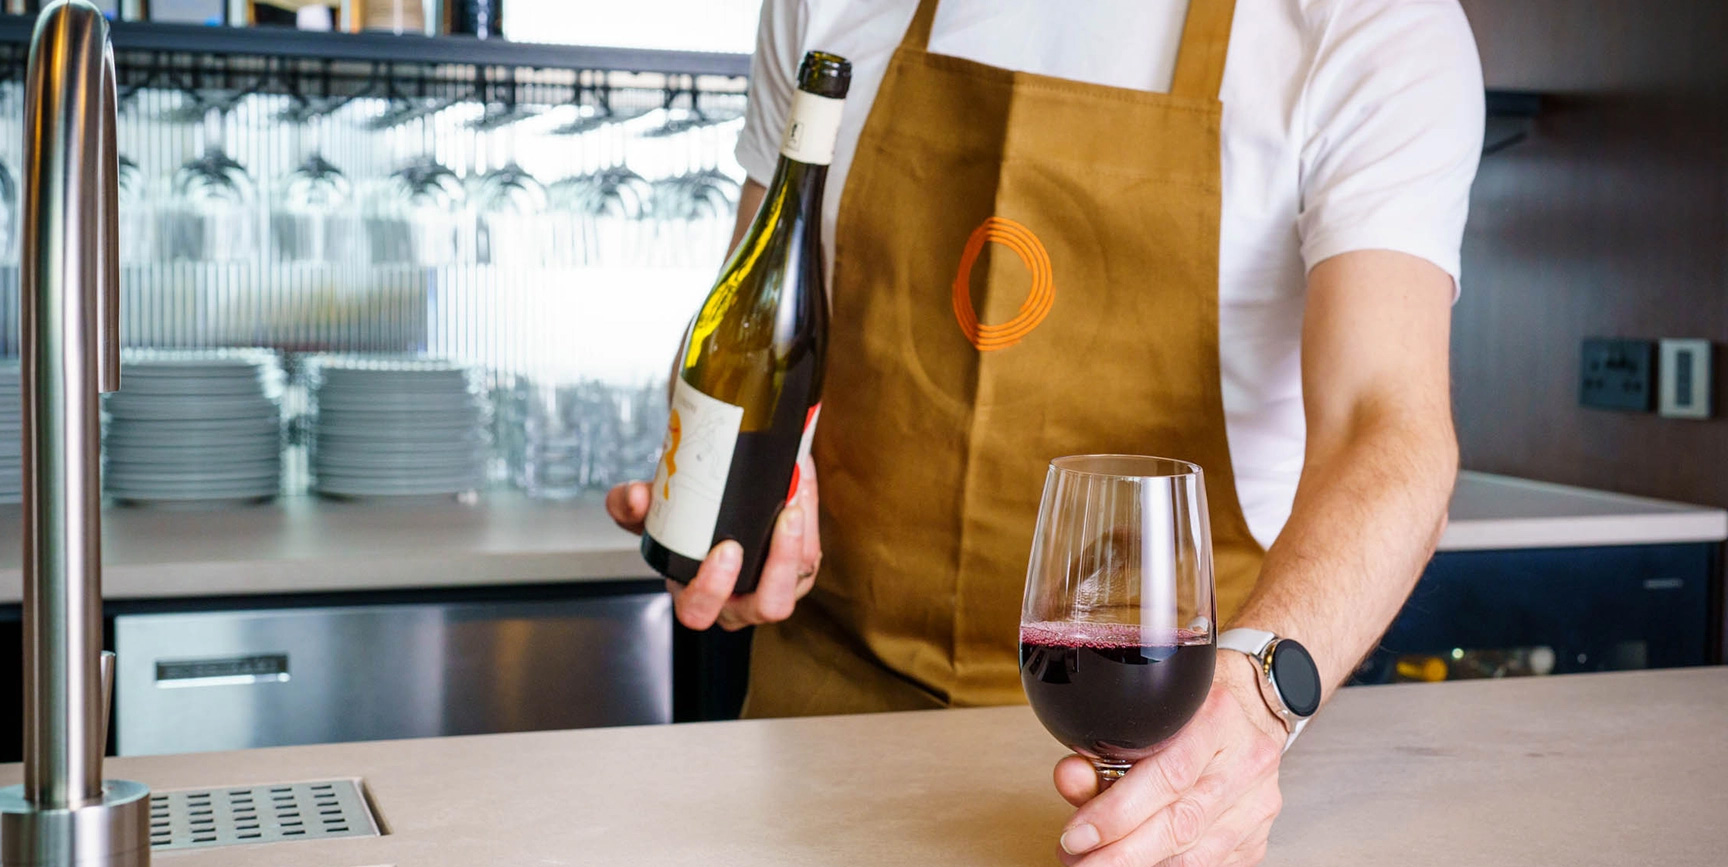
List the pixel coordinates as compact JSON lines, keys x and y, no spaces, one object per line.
{"x":1110,"y":692}
{"x":1116,"y":631}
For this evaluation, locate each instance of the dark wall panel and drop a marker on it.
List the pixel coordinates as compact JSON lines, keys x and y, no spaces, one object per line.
{"x":1611,"y":220}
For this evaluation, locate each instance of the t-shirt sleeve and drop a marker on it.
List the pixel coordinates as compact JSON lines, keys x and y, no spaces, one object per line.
{"x":773,"y":78}
{"x":1394,"y":122}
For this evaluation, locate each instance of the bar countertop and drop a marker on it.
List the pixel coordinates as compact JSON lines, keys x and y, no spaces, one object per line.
{"x":1609,"y":769}
{"x":304,"y":544}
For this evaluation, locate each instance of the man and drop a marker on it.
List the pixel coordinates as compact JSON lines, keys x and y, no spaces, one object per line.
{"x":1263,"y":289}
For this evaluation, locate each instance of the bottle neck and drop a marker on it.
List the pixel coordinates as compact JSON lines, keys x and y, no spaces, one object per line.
{"x":805,"y":152}
{"x":812,"y":127}
{"x":798,"y":186}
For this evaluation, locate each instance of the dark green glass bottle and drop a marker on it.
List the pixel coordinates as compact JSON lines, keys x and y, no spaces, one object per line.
{"x":749,"y":380}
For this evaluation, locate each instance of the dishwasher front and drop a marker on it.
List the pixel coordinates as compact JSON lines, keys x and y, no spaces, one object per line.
{"x":193,"y":682}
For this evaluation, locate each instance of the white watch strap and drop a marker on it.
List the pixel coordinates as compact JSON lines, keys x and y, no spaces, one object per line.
{"x":1254,"y":643}
{"x":1250,"y":641}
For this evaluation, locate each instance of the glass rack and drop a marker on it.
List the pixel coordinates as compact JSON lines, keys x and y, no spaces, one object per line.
{"x":549,"y":228}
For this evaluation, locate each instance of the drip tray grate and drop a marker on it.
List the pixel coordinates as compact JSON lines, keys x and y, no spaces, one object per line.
{"x":270,"y":813}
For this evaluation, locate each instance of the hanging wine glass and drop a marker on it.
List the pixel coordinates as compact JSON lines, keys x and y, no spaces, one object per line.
{"x":213,"y":201}
{"x":307,"y":220}
{"x":509,"y":203}
{"x":415,"y":216}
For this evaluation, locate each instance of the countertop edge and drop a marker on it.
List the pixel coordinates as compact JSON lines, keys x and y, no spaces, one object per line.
{"x":290,"y":577}
{"x":1594,"y":531}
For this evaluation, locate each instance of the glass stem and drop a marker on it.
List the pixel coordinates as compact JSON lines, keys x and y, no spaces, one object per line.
{"x":315,"y":129}
{"x":1109,"y":772}
{"x":303,"y":138}
{"x":213,"y":143}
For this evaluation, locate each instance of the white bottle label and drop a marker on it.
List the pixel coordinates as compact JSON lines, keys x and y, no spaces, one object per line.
{"x":813,"y":129}
{"x":691,"y":480}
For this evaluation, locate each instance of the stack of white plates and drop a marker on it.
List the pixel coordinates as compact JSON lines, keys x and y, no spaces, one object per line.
{"x":195,"y":426}
{"x":395,"y":427}
{"x":11,"y":435}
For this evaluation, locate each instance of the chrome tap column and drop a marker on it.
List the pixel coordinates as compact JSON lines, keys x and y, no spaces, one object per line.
{"x":65,"y":813}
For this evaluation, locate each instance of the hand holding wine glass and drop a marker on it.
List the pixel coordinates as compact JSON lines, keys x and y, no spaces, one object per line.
{"x":1176,"y":759}
{"x":789,"y":572}
{"x":1116,"y":633}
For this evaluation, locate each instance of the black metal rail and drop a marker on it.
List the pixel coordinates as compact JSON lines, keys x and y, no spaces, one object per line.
{"x":389,"y":48}
{"x":274,"y":58}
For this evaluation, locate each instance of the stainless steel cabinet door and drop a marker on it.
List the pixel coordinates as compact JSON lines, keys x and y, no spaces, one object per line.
{"x":241,"y":679}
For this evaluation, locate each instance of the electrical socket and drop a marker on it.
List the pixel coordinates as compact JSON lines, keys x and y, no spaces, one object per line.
{"x":1617,"y":374}
{"x":1685,"y":381}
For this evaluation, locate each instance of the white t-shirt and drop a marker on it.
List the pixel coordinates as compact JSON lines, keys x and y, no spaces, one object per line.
{"x":1348,"y":125}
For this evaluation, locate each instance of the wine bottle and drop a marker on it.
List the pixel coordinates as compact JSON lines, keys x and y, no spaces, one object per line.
{"x":749,"y":377}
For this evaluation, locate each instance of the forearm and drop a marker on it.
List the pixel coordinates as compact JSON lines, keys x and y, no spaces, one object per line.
{"x":1368,"y":512}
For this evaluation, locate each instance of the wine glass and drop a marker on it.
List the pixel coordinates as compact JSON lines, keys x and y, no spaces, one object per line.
{"x":414,"y":216}
{"x":1116,"y":632}
{"x":306,"y":220}
{"x":214,"y":196}
{"x":594,"y":212}
{"x":510,"y":203}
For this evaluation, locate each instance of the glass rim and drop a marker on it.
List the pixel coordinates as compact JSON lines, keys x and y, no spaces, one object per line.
{"x":1156,"y":467}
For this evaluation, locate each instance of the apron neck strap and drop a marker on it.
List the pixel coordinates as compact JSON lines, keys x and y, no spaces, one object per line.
{"x":1205,"y":42}
{"x":918,"y":34}
{"x":1199,"y":62}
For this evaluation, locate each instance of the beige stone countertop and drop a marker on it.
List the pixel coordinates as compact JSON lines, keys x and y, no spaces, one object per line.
{"x":1580,"y":770}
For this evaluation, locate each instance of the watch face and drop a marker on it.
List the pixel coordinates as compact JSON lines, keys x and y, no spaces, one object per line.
{"x":1297,"y":678}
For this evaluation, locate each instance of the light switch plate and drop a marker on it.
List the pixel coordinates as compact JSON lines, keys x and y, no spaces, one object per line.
{"x":1684,"y":387}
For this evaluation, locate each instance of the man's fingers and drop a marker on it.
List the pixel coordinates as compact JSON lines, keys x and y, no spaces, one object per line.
{"x":1157,"y":784}
{"x":700,"y":601}
{"x":1250,"y":855}
{"x":808,"y":500}
{"x":1076,"y":780}
{"x":777,"y":589}
{"x":1207,"y":821}
{"x":1252,"y":851}
{"x":1233,"y":832}
{"x":788,"y":573}
{"x":1188,"y":833}
{"x":1232,"y":779}
{"x":628,"y":505}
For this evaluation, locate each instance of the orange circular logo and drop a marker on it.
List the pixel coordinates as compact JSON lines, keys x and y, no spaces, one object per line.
{"x":989,"y":338}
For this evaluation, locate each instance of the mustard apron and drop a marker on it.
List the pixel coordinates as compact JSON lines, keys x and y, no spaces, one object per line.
{"x":1025,"y":267}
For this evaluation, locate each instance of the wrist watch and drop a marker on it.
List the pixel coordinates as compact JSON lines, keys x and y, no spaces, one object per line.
{"x":1289,"y":680}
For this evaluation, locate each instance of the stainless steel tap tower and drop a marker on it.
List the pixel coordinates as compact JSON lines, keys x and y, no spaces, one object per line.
{"x":65,"y":813}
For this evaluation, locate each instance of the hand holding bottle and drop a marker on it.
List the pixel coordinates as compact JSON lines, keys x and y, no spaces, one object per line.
{"x":747,"y":386}
{"x":789,"y":572}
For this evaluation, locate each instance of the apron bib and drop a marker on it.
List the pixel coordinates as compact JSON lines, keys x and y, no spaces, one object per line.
{"x":1025,"y":267}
